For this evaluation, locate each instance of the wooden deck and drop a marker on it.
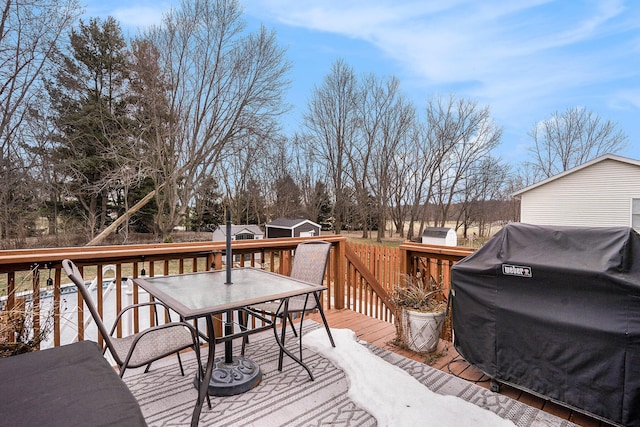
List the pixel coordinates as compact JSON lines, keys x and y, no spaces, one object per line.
{"x":447,"y":359}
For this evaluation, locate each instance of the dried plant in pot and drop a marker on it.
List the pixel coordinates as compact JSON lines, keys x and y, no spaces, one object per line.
{"x":17,"y":332}
{"x":420,"y":312}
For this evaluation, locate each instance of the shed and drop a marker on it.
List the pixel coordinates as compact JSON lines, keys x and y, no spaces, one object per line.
{"x":443,"y":236}
{"x":291,"y":227}
{"x":604,"y":192}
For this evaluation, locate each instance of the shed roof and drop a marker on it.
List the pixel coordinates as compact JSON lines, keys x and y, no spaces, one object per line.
{"x":289,"y":223}
{"x":436,"y":232}
{"x":577,"y":168}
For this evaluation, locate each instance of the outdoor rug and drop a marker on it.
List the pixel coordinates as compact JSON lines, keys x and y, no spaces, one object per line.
{"x":289,"y":398}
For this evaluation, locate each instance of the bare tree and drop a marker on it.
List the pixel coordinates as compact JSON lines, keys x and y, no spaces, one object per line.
{"x":240,"y":175}
{"x":572,"y":138}
{"x":331,"y":120}
{"x":277,"y":168}
{"x":30,"y":35}
{"x":305,"y":171}
{"x":399,"y":166}
{"x":468,"y":134}
{"x":483,"y":184}
{"x":223,"y":83}
{"x":522,"y":175}
{"x":385,"y":118}
{"x":425,"y":153}
{"x":152,"y":119}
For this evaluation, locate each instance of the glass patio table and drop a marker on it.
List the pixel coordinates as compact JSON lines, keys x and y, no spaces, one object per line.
{"x":208,"y":294}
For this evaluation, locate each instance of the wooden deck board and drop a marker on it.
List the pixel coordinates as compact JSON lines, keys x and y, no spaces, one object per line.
{"x":381,"y":334}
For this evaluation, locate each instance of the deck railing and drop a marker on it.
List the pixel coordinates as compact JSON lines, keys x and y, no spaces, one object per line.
{"x":359,"y":276}
{"x":373,"y":270}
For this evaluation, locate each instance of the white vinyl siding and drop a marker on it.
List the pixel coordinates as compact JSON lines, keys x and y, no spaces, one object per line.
{"x":598,"y":195}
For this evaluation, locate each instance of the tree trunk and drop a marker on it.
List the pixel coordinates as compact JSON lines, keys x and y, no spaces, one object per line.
{"x":110,"y":229}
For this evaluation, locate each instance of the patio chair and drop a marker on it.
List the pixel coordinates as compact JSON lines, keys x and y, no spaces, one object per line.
{"x":309,"y":265}
{"x":144,"y":347}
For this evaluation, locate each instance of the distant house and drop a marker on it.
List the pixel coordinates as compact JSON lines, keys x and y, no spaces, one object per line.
{"x":291,"y":227}
{"x":440,"y":236}
{"x":602,"y":192}
{"x":238,"y":232}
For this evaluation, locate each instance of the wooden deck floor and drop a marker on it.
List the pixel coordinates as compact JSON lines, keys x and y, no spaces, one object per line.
{"x":382,"y":333}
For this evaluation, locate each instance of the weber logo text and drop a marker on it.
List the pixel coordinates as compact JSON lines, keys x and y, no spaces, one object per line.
{"x":516,"y":270}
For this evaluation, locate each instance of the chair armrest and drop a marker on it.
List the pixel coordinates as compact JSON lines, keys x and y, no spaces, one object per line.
{"x":132,"y":306}
{"x":194,"y":335}
{"x":260,"y":314}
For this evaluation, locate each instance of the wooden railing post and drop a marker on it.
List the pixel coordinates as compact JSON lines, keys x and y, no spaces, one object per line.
{"x":36,"y":301}
{"x":119,"y":297}
{"x":136,"y":299}
{"x":338,"y":271}
{"x":405,"y":261}
{"x":80,"y":310}
{"x":57,"y":280}
{"x":100,"y":302}
{"x":217,"y":260}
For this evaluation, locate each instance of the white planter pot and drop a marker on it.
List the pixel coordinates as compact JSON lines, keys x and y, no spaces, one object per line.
{"x":422,"y":330}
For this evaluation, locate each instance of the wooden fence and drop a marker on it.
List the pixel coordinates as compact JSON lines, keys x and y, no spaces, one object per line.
{"x":373,"y":271}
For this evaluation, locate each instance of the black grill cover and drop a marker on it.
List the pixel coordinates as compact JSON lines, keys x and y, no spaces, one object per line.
{"x":556,"y":311}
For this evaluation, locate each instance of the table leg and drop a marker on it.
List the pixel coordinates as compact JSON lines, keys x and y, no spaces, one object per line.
{"x":283,"y":332}
{"x":228,"y":345}
{"x":204,"y":383}
{"x":304,"y":310}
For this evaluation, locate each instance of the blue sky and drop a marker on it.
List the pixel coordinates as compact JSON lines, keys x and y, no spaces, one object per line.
{"x":524,"y":59}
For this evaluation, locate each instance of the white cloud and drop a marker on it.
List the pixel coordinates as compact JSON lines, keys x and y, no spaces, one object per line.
{"x":131,"y":14}
{"x":626,"y":100}
{"x":504,"y":52}
{"x":138,"y":16}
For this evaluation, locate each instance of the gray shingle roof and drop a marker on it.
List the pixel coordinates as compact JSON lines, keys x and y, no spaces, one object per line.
{"x":287,"y":222}
{"x":436,"y":232}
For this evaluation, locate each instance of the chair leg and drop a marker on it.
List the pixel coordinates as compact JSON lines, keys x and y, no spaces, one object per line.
{"x":295,"y":334}
{"x":300,"y":343}
{"x":324,"y":319}
{"x":180,"y":363}
{"x":196,"y":349}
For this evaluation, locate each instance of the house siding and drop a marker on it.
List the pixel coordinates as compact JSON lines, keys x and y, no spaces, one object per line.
{"x":274,"y":232}
{"x":599,"y":195}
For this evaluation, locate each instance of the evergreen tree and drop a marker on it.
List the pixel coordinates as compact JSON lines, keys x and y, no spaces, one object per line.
{"x":91,"y":116}
{"x":287,"y":203}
